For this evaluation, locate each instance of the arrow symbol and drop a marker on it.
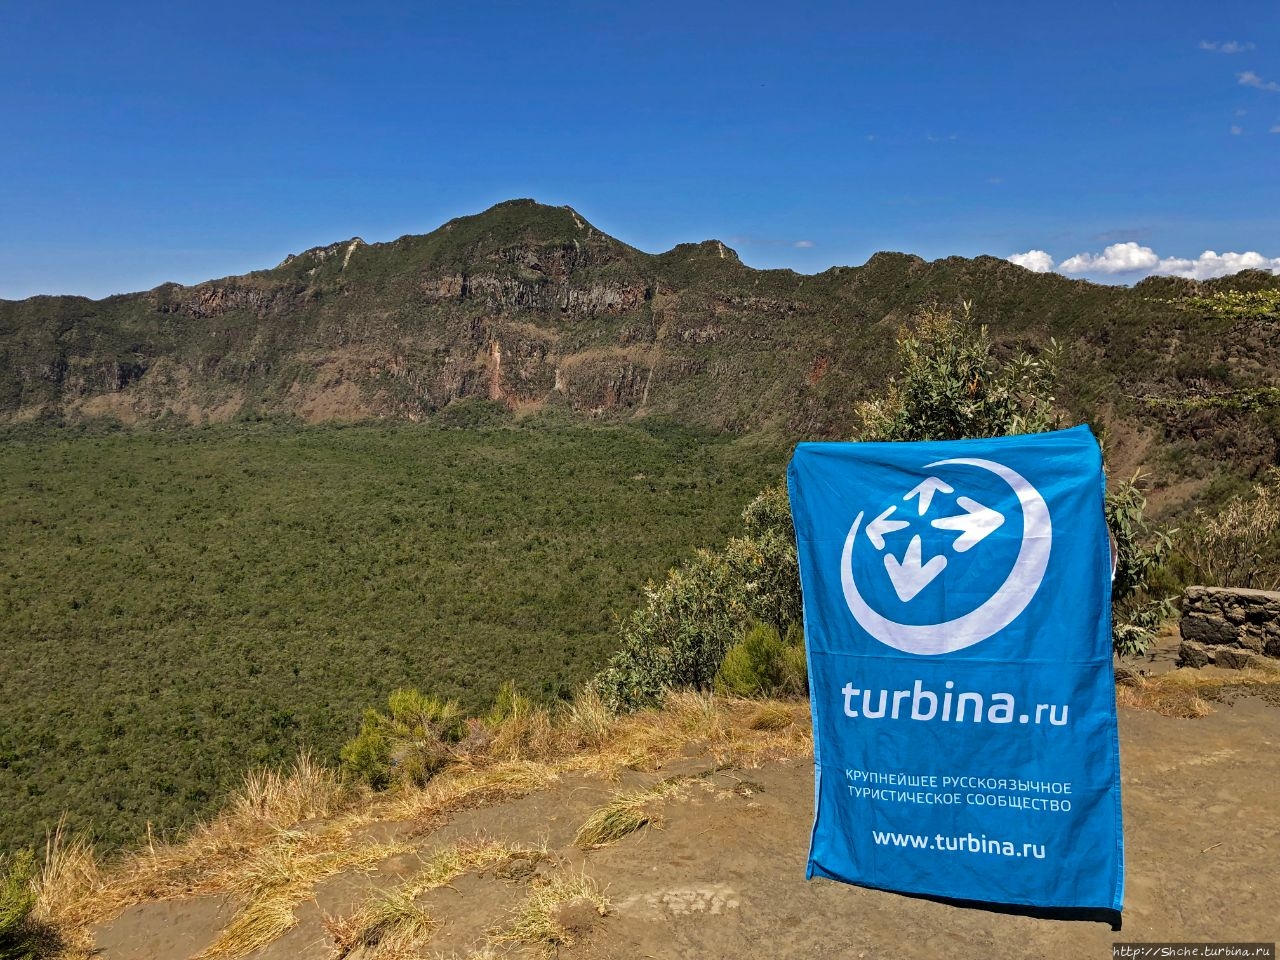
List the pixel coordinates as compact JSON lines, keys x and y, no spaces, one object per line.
{"x":881,"y":525}
{"x":910,"y":577}
{"x":925,"y":492}
{"x":974,"y":524}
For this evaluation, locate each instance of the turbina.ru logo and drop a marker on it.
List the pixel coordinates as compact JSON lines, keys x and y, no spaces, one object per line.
{"x":950,"y":561}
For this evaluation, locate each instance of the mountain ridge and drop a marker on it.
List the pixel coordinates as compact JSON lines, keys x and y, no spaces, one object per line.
{"x":530,"y":306}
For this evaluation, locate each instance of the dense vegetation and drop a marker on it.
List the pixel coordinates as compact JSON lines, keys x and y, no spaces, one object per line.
{"x":180,"y":606}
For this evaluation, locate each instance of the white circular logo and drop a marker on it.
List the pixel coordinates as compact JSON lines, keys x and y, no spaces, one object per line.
{"x":910,"y":574}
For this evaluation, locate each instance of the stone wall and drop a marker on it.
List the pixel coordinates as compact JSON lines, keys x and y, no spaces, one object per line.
{"x":1230,"y":627}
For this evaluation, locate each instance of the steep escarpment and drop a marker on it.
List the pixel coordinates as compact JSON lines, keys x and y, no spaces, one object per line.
{"x":527,"y":305}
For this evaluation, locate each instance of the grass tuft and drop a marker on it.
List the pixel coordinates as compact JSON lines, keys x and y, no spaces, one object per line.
{"x":389,"y":924}
{"x":306,"y":791}
{"x":280,"y":877}
{"x":554,"y":913}
{"x":385,"y":926}
{"x":771,"y":716}
{"x":625,"y":814}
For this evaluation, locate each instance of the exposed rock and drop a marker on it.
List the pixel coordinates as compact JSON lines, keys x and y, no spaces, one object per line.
{"x":343,"y":248}
{"x":215,"y":299}
{"x":1193,"y":655}
{"x":1233,"y":658}
{"x":581,"y":318}
{"x":1230,"y":626}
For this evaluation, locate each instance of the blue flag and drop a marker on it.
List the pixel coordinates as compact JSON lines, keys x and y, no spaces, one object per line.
{"x":957,"y":613}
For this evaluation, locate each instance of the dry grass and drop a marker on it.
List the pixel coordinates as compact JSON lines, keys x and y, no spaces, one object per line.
{"x":255,"y":849}
{"x":69,"y":876}
{"x":280,"y":877}
{"x":1165,"y":699}
{"x":463,"y":788}
{"x":1182,"y":693}
{"x":307,"y":791}
{"x":389,"y":925}
{"x":721,"y":725}
{"x":586,"y":720}
{"x":68,"y":880}
{"x":210,"y":859}
{"x":625,"y":814}
{"x":771,"y":716}
{"x":527,"y":734}
{"x":540,"y":920}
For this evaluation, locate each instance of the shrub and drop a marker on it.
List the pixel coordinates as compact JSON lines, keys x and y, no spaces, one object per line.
{"x":952,"y":386}
{"x":1141,"y":547}
{"x":754,"y":666}
{"x":1236,"y":548}
{"x":408,"y":744}
{"x":763,"y":664}
{"x":796,"y":663}
{"x":679,"y":636}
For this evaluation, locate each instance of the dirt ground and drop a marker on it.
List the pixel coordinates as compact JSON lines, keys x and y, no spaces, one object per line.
{"x":722,"y":876}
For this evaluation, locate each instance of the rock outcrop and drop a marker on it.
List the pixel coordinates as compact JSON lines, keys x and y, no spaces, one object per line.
{"x":1230,"y":627}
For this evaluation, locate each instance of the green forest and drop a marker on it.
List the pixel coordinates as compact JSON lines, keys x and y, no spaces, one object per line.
{"x":179,"y":606}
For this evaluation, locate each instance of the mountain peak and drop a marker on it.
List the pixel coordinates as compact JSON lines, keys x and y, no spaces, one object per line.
{"x":317,"y":255}
{"x":707,"y":249}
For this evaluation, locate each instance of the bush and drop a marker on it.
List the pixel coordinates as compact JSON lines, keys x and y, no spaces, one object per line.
{"x":680,"y":635}
{"x":408,"y":744}
{"x":1141,"y":547}
{"x":763,"y":664}
{"x":18,"y":938}
{"x":1236,"y":548}
{"x":754,"y":666}
{"x":952,"y":386}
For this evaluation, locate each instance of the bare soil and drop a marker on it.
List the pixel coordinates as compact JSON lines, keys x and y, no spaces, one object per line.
{"x":722,"y":874}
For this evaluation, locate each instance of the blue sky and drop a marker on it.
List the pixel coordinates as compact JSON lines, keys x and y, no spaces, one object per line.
{"x":146,"y":142}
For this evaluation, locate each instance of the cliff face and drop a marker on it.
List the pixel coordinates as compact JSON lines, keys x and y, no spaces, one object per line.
{"x":527,"y":305}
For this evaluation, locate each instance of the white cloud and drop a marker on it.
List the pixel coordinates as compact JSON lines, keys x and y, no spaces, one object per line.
{"x":1035,"y":260}
{"x":1226,"y":46}
{"x":1136,"y":261}
{"x":1117,"y":258}
{"x":1211,"y":264}
{"x":1276,"y":128}
{"x":803,"y":244}
{"x":1251,"y":79}
{"x":1236,"y":130}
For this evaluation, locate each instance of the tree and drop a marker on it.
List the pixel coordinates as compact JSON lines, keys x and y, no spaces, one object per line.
{"x":953,"y":386}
